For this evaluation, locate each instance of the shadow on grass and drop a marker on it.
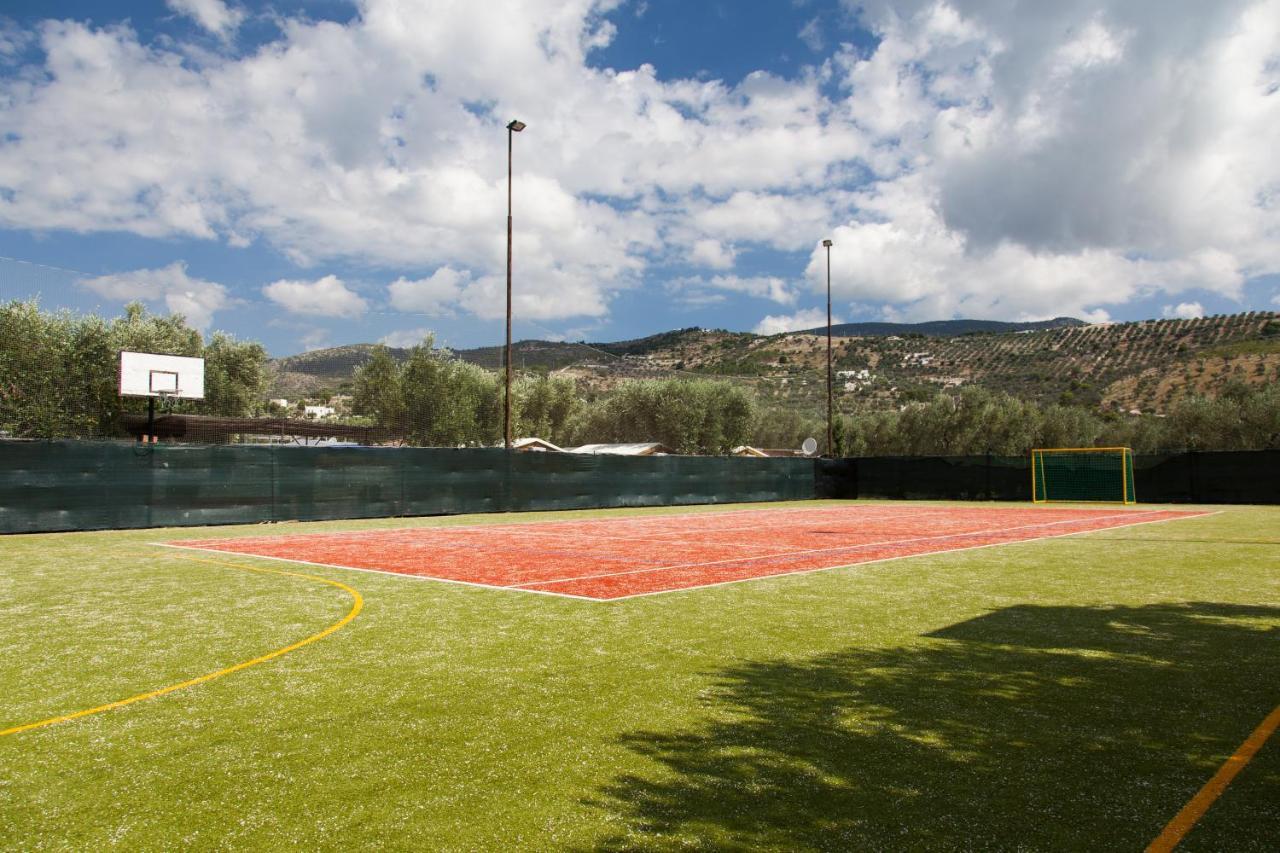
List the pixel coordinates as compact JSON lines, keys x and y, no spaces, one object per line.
{"x":1030,"y":727}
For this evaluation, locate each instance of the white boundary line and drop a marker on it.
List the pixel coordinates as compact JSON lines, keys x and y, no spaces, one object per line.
{"x":905,"y":557}
{"x":660,"y":541}
{"x":384,"y":572}
{"x":983,"y":532}
{"x":654,"y":516}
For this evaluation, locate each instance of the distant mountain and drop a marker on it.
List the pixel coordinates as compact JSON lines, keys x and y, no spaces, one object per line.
{"x":944,"y":328}
{"x":1146,"y":365}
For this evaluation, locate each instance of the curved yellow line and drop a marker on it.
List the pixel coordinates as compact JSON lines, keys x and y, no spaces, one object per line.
{"x":356,"y":606}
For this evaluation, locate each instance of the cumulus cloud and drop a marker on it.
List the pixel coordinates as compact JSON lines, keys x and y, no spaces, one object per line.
{"x":1008,"y":159}
{"x":324,"y":297}
{"x":1184,"y":310}
{"x":194,"y":298}
{"x":1031,"y":164}
{"x":776,"y":220}
{"x":405,"y":338}
{"x":713,"y":254}
{"x":434,"y":295}
{"x":695,"y":288}
{"x":214,"y":15}
{"x":807,"y":318}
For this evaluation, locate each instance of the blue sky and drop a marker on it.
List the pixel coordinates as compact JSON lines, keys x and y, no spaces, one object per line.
{"x":316,"y":172}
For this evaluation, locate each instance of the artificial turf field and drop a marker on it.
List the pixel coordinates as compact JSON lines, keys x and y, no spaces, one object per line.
{"x":1055,"y":693}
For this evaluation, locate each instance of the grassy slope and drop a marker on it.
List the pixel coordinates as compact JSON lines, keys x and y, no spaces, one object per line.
{"x":1063,"y":693}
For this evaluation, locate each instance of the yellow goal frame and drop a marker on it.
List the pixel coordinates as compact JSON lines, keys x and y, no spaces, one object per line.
{"x":1037,"y":465}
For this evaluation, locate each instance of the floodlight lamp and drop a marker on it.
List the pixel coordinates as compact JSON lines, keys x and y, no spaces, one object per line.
{"x":516,"y":125}
{"x":827,"y":243}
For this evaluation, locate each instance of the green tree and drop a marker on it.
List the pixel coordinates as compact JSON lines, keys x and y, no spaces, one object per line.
{"x":59,"y":372}
{"x":33,"y":389}
{"x":785,"y":428}
{"x":432,"y":399}
{"x":377,"y":391}
{"x":699,"y":416}
{"x":235,"y":376}
{"x":544,"y":406}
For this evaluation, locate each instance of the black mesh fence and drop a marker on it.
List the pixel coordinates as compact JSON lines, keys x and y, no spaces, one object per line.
{"x":1227,"y":477}
{"x":996,"y":478}
{"x":82,"y":485}
{"x":86,"y":485}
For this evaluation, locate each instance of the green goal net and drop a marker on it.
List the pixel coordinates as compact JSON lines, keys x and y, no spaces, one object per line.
{"x":1086,"y":474}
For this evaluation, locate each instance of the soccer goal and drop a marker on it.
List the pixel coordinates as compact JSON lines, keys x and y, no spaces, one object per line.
{"x":1082,"y":474}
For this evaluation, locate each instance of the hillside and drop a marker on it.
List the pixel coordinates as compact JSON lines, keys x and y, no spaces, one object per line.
{"x":1144,"y":365}
{"x":944,"y":328}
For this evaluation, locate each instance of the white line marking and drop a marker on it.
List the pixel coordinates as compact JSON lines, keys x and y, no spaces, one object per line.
{"x":901,"y":557}
{"x":1195,"y":514}
{"x":982,"y":532}
{"x":656,"y":538}
{"x":854,"y":512}
{"x":384,"y":572}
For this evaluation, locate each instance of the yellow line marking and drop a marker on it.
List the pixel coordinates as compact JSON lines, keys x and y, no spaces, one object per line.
{"x":357,"y":603}
{"x":1195,"y":808}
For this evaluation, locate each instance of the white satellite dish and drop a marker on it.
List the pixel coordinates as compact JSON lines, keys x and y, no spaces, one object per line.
{"x":809,"y":447}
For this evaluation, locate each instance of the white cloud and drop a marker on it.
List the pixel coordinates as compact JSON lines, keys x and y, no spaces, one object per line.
{"x":900,"y":253}
{"x":772,"y":219}
{"x":434,"y":295}
{"x":1184,"y":310}
{"x":405,"y":338}
{"x":324,"y":297}
{"x":316,"y":338}
{"x":214,"y":15}
{"x":694,"y":289}
{"x":807,"y":318}
{"x":194,"y":298}
{"x":712,"y":254}
{"x":811,"y":34}
{"x":13,"y":40}
{"x":1023,"y":160}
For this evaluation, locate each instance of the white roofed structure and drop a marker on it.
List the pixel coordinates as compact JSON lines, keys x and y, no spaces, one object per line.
{"x":644,"y":448}
{"x":535,"y":445}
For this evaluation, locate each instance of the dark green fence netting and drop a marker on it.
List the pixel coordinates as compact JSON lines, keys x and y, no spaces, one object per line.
{"x":80,"y":485}
{"x":997,"y":478}
{"x":1228,"y":477}
{"x":77,"y":485}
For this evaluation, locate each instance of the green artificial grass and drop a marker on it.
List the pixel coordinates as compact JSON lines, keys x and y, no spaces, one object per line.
{"x":1063,"y":694}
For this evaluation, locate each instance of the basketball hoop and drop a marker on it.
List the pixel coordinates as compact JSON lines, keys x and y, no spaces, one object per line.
{"x":163,"y":377}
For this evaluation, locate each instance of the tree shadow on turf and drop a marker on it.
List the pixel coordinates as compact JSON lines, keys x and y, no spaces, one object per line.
{"x":1029,"y":727}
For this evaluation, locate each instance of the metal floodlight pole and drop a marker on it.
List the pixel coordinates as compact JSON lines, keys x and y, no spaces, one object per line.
{"x":513,"y":128}
{"x":831,"y":451}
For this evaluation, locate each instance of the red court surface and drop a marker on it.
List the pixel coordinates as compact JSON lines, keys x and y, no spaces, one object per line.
{"x":624,"y":556}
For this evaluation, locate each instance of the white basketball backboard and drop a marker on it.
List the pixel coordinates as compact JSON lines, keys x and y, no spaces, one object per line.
{"x":144,"y":374}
